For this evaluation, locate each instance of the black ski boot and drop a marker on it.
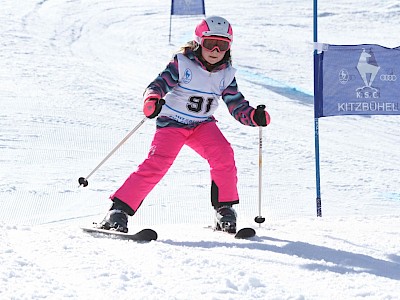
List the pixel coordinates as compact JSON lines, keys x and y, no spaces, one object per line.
{"x":116,"y":218}
{"x":225,"y":219}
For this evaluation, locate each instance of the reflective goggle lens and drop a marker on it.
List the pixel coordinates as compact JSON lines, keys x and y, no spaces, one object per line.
{"x":212,"y":43}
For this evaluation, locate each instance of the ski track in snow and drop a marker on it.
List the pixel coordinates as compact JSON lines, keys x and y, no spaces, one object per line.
{"x":72,"y":74}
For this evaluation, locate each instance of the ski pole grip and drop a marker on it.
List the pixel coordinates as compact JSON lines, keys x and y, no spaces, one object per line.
{"x":261,"y":107}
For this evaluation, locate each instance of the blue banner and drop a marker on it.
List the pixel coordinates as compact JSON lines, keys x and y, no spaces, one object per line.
{"x":188,"y":7}
{"x":357,"y":80}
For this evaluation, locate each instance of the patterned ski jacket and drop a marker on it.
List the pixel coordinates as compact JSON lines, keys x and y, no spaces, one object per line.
{"x":192,"y":93}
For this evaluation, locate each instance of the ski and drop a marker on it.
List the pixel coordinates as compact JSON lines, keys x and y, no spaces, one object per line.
{"x":243,"y":233}
{"x":144,"y":235}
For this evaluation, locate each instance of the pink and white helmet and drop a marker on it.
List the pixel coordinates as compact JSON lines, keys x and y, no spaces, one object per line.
{"x":213,"y":26}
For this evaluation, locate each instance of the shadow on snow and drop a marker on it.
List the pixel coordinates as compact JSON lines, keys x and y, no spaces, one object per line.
{"x":344,"y":261}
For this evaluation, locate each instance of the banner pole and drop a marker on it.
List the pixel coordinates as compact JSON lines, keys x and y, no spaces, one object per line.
{"x":316,"y":123}
{"x":170,"y":24}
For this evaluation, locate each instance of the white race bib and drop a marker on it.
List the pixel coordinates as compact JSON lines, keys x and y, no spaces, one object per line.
{"x":196,"y":96}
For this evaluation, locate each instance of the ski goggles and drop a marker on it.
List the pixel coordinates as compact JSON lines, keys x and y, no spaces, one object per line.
{"x":211,"y":43}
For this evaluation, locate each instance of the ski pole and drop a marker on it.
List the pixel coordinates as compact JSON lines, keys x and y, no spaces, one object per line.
{"x":84,"y":180}
{"x":259,"y":219}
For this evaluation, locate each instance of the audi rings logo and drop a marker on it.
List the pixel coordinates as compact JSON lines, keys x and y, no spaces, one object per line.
{"x":388,"y":77}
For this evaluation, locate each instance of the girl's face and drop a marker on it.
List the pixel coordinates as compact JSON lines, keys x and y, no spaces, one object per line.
{"x":212,"y":57}
{"x":213,"y":48}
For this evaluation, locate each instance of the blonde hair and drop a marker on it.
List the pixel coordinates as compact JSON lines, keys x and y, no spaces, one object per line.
{"x":191,"y":45}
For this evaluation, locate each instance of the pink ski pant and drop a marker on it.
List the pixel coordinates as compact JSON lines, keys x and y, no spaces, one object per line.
{"x":206,"y":139}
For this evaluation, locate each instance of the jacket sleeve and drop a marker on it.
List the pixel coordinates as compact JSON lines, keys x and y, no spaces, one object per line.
{"x":237,"y":105}
{"x":164,"y":82}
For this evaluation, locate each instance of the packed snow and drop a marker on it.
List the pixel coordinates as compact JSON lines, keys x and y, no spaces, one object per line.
{"x":72,"y":74}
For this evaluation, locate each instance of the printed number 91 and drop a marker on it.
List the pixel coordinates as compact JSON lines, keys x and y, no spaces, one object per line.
{"x":196,"y":104}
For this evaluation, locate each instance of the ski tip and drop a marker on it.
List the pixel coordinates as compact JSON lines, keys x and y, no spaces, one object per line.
{"x":149,"y":233}
{"x":245,"y":233}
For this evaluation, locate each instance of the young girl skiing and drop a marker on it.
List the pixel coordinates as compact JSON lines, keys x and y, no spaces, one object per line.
{"x":183,"y":98}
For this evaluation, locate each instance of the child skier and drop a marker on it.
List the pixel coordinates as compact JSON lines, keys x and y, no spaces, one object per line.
{"x":191,"y":86}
